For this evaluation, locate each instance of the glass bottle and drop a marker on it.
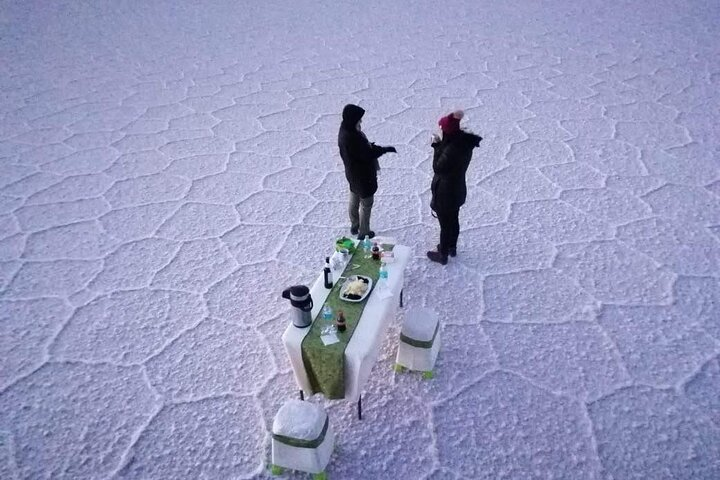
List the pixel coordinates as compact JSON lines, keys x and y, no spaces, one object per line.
{"x":327,"y":274}
{"x":340,"y":321}
{"x":376,"y":251}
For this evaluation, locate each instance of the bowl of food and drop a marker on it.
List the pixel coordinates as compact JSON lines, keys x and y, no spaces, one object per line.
{"x":356,"y":288}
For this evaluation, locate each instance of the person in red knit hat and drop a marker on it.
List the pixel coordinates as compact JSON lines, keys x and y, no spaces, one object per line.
{"x":450,"y":124}
{"x":451,"y":158}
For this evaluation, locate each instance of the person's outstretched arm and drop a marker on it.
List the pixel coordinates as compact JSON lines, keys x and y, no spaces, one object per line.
{"x":370,"y":151}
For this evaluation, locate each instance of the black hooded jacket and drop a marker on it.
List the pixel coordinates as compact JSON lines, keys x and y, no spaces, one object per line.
{"x":358,"y":154}
{"x":450,"y":162}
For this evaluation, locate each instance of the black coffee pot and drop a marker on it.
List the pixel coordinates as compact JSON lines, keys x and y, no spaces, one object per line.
{"x":301,"y":300}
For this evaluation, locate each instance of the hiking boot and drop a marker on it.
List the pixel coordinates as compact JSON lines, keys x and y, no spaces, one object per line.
{"x":354,"y":230}
{"x":370,"y":234}
{"x":452,"y":251}
{"x":437,"y":257}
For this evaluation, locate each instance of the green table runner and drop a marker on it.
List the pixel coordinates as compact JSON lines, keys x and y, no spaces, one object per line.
{"x":325,"y":364}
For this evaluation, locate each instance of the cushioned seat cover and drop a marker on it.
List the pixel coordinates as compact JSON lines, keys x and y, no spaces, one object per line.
{"x":420,"y":324}
{"x":299,"y":420}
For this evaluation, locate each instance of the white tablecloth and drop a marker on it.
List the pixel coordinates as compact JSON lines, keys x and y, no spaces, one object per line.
{"x":362,"y":350}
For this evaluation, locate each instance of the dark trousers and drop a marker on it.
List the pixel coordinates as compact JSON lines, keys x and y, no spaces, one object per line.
{"x":449,"y":229}
{"x":359,"y":210}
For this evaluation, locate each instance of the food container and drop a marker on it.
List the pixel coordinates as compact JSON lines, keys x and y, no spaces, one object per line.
{"x":387,"y":256}
{"x":336,"y":261}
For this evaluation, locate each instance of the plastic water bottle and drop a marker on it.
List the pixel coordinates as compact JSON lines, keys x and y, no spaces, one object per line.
{"x":366,"y":245}
{"x":383,"y":277}
{"x":328,"y":320}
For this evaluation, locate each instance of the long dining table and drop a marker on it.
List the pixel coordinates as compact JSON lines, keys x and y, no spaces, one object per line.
{"x":362,"y":349}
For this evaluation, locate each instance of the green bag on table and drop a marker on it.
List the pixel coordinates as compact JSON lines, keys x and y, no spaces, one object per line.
{"x":345,"y":242}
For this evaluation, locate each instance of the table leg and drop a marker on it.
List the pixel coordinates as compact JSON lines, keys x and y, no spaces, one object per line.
{"x":401,"y":298}
{"x":302,"y":395}
{"x":360,"y":408}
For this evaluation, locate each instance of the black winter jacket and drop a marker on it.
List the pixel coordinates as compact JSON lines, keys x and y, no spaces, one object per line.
{"x":450,"y":162}
{"x":358,"y":155}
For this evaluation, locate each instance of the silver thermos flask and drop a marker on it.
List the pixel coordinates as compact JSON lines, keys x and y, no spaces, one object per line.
{"x":301,"y":300}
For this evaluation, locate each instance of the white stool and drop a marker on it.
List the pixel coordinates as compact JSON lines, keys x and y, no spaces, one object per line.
{"x":302,"y":439}
{"x":419,"y":342}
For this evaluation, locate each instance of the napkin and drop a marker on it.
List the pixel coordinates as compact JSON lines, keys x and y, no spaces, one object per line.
{"x":383,"y":293}
{"x":329,"y":339}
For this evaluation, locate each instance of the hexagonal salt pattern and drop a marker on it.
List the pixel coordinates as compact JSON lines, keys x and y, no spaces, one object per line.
{"x":644,"y":432}
{"x":90,"y":412}
{"x":167,"y":168}
{"x":504,"y":426}
{"x":209,"y":438}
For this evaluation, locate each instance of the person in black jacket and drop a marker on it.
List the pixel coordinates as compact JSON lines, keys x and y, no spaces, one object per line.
{"x":360,"y":158}
{"x":452,"y":155}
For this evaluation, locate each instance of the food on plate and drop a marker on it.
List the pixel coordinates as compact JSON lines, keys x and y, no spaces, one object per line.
{"x":356,"y":287}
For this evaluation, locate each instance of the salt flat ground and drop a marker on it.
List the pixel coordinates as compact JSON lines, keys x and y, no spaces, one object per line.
{"x":168,"y":167}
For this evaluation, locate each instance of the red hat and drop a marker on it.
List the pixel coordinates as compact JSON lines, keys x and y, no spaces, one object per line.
{"x":451,"y":123}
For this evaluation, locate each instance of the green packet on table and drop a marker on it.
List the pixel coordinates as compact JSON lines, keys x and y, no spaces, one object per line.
{"x":345,"y":242}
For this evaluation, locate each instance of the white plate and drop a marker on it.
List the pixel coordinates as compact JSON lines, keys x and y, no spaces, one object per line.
{"x":349,"y":280}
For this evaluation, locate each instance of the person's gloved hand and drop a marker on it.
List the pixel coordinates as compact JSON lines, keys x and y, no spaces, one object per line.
{"x":390,"y":150}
